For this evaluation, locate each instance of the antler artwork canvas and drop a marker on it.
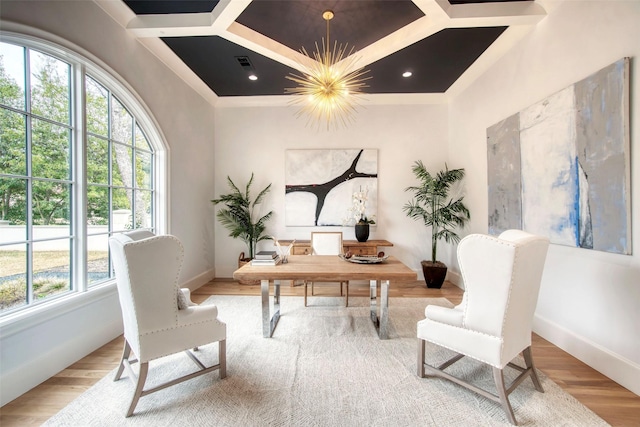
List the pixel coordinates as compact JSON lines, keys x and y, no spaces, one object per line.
{"x":319,"y":185}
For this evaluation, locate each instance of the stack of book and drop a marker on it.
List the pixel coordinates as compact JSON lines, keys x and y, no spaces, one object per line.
{"x":266,"y":258}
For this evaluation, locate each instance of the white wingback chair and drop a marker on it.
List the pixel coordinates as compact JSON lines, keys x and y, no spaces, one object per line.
{"x":492,"y":324}
{"x":327,"y":243}
{"x":159,"y":318}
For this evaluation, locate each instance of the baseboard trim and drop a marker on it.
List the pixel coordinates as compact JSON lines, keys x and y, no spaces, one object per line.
{"x":200,"y":280}
{"x":45,"y":365}
{"x":621,"y":370}
{"x":455,"y":278}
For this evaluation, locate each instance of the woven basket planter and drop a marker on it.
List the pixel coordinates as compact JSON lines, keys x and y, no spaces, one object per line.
{"x":242,"y":261}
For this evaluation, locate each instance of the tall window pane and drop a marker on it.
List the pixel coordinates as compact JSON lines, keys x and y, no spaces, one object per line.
{"x":144,"y":209}
{"x":12,"y":76}
{"x":51,"y":268}
{"x":50,"y":150}
{"x":13,"y":278}
{"x":51,"y":204}
{"x":98,"y":258}
{"x":141,"y":140}
{"x":121,"y":165}
{"x":50,"y":87}
{"x":121,"y":123}
{"x":97,"y":108}
{"x":39,"y":245}
{"x":122,"y":210}
{"x":116,"y":165}
{"x":143,"y":169}
{"x":97,"y":160}
{"x":13,"y":143}
{"x":13,"y":210}
{"x":97,"y":207}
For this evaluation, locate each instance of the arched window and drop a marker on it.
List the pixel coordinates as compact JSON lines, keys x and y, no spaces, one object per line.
{"x":79,"y":161}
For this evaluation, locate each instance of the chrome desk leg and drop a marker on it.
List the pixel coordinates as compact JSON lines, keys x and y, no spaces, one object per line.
{"x":380,"y":320}
{"x":383,"y":332}
{"x":269,"y":321}
{"x":373,"y":291}
{"x":276,"y":297}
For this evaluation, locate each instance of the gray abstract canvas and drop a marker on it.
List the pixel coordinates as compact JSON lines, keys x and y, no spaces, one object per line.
{"x":561,"y":167}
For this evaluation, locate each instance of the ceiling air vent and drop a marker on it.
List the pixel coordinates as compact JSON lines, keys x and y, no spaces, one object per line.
{"x":244,"y":63}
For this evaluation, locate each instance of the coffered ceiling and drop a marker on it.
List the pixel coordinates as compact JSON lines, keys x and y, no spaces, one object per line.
{"x":217,"y":44}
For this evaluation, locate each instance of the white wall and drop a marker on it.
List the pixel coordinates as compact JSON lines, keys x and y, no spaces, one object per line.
{"x":254,"y":139}
{"x":588,"y":302}
{"x":32,"y":351}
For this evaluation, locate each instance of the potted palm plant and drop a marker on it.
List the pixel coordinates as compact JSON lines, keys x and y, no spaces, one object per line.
{"x":238,"y":216}
{"x":436,"y":208}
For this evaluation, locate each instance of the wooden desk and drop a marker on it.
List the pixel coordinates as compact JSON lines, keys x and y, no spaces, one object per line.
{"x":327,"y":268}
{"x":370,"y":247}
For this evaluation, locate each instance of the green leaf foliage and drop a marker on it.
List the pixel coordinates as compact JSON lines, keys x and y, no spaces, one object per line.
{"x":238,"y":214}
{"x":433,"y":205}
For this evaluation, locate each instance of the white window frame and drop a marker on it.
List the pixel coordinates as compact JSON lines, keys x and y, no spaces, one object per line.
{"x":82,"y":63}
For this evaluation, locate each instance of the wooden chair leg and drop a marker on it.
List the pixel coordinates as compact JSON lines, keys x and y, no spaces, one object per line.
{"x":222,"y":358}
{"x":528,"y":360}
{"x":421,"y":345}
{"x":142,"y":377}
{"x":502,"y":393}
{"x":126,"y":351}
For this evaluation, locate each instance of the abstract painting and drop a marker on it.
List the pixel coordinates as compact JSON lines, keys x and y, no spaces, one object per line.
{"x":561,"y":167}
{"x":319,"y":184}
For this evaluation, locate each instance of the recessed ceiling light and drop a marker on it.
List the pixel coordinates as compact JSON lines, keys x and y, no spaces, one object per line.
{"x":407,"y":74}
{"x":253,"y":77}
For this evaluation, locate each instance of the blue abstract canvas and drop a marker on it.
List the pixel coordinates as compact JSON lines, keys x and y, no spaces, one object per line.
{"x":561,"y":167}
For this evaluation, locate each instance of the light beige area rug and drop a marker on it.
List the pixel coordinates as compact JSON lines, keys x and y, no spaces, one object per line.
{"x":324,"y":366}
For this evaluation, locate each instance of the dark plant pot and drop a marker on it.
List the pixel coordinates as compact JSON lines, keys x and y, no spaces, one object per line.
{"x":362,"y":232}
{"x":434,"y":273}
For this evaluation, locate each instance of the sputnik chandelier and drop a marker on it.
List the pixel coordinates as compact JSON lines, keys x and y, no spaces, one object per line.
{"x":329,"y":88}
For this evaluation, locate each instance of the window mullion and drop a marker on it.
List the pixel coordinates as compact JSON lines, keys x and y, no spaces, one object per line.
{"x":109,"y":163}
{"x":79,"y":201}
{"x":29,"y":188}
{"x":134,"y":208}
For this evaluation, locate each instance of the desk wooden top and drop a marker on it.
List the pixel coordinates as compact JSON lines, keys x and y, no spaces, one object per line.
{"x":372,"y":243}
{"x":326,"y":268}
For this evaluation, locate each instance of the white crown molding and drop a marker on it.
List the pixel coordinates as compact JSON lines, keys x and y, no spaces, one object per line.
{"x":364,"y":100}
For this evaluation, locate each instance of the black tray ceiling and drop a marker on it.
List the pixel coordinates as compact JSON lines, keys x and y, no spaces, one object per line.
{"x":436,"y":61}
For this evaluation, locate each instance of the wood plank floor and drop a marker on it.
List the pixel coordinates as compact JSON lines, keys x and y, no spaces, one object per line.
{"x":613,"y":403}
